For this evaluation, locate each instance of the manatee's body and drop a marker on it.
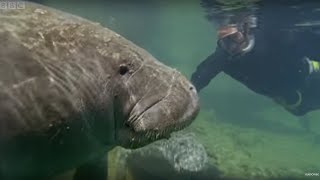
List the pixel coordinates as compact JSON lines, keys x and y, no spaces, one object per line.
{"x":70,"y":90}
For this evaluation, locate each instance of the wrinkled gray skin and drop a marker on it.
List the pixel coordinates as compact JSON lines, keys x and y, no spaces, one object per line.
{"x":70,"y":90}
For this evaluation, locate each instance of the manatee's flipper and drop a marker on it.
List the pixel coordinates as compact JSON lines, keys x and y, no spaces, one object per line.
{"x":94,"y":170}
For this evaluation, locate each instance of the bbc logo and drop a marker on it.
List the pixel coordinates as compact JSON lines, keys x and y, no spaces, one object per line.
{"x":12,"y":5}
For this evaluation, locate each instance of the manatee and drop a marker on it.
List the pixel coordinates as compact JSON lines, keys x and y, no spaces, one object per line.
{"x":71,"y":90}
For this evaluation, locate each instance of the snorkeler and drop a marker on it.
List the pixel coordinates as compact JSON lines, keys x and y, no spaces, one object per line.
{"x":270,"y":61}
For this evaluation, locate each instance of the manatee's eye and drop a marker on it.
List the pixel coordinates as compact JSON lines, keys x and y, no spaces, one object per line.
{"x":123,"y":69}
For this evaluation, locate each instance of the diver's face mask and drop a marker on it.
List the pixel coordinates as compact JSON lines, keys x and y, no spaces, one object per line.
{"x":237,"y":39}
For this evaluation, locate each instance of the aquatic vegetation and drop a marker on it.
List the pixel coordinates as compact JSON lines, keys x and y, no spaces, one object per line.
{"x":252,"y":153}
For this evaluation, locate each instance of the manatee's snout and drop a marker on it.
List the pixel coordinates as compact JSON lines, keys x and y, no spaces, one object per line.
{"x":175,"y":110}
{"x":166,"y":107}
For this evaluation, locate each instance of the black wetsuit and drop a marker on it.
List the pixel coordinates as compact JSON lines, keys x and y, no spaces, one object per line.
{"x":274,"y":67}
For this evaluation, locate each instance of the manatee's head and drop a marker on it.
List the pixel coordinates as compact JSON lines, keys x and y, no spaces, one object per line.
{"x":153,"y":101}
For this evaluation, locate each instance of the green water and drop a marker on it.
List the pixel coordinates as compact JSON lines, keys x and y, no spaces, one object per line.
{"x":245,"y":134}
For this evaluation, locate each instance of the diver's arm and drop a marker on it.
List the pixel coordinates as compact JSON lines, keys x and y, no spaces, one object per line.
{"x":208,"y":69}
